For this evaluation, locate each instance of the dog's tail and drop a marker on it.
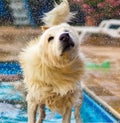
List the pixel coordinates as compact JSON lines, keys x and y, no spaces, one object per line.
{"x":59,"y":14}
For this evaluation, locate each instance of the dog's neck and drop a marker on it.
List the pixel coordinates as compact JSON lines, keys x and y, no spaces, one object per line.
{"x":63,"y":79}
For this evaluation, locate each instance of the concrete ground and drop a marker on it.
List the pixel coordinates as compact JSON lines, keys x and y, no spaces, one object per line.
{"x":13,"y":39}
{"x":104,"y":83}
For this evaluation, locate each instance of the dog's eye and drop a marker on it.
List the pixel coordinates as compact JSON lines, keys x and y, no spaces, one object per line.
{"x":50,"y":38}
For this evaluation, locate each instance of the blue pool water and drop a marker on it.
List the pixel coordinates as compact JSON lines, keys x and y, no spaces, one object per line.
{"x":13,"y":105}
{"x":10,"y":112}
{"x":10,"y":68}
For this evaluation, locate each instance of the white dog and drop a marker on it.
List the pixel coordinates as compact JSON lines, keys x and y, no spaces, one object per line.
{"x":53,"y":68}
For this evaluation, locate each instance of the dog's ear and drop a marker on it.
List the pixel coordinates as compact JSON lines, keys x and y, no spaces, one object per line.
{"x":45,"y":28}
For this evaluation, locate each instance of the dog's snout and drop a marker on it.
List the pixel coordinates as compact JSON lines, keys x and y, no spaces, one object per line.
{"x":66,"y":41}
{"x":64,"y":37}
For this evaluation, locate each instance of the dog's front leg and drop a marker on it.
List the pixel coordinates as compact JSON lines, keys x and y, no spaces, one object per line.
{"x":32,"y":108}
{"x":77,"y":114}
{"x":67,"y":116}
{"x":77,"y":104}
{"x":42,"y":113}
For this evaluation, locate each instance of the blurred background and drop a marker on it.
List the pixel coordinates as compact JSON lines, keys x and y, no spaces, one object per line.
{"x":30,"y":12}
{"x":98,"y":25}
{"x":20,"y":21}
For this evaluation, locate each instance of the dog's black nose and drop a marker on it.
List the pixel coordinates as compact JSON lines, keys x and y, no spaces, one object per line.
{"x":64,"y":37}
{"x":67,"y":42}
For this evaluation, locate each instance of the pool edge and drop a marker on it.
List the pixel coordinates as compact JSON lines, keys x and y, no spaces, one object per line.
{"x":102,"y":102}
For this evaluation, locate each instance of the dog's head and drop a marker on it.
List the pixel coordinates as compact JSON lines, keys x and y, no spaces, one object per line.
{"x":59,"y":44}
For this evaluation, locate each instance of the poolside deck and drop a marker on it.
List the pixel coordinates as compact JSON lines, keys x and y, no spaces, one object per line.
{"x":105,"y":84}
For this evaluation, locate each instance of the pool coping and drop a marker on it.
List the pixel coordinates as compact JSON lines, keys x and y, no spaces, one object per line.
{"x":10,"y":77}
{"x":101,"y":102}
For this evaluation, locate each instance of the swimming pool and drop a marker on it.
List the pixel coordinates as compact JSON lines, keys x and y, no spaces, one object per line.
{"x":13,"y":108}
{"x":13,"y":105}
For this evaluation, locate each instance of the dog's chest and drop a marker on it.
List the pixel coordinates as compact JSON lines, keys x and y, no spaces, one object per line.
{"x":58,"y":103}
{"x":55,"y":101}
{"x":49,"y":96}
